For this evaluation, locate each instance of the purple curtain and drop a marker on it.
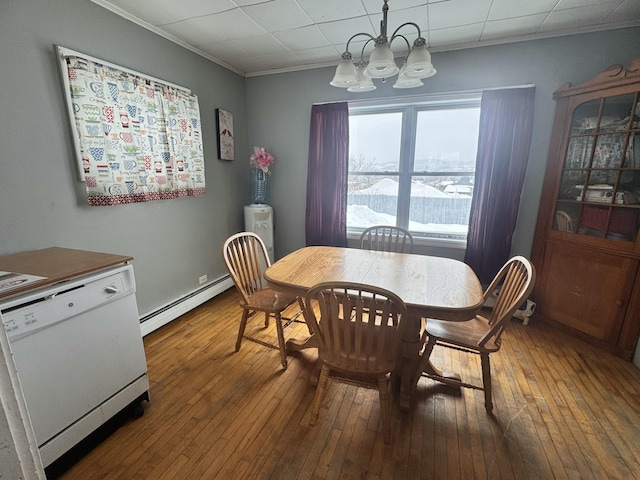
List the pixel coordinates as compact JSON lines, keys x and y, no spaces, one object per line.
{"x":326,"y":216}
{"x":506,"y":122}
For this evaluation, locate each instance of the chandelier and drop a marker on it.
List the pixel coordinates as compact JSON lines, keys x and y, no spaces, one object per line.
{"x":357,"y":77}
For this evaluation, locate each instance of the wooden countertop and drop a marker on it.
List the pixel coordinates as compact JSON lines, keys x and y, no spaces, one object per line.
{"x":57,"y":264}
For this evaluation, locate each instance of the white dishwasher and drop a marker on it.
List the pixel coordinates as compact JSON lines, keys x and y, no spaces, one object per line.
{"x":78,"y":351}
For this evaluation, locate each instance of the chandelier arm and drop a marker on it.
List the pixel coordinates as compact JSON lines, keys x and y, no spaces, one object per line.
{"x":404,"y":25}
{"x":404,"y":38}
{"x":363,"y":47}
{"x":371,"y":38}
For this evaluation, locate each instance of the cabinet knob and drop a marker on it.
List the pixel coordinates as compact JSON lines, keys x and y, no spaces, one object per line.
{"x":619,"y":303}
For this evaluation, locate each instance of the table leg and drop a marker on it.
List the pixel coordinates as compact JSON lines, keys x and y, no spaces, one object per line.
{"x":408,"y":360}
{"x":425,"y":365}
{"x":295,"y":345}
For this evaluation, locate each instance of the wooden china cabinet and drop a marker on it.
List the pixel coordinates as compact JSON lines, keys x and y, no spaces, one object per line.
{"x":586,"y":247}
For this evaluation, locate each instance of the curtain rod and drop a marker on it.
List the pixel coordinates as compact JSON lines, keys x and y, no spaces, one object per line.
{"x":64,"y":52}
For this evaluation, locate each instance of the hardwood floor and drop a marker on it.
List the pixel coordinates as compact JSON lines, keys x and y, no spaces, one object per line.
{"x":563,"y":409}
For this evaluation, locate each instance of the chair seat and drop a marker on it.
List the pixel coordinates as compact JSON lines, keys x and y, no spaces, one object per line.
{"x":464,"y":334}
{"x":268,"y":300}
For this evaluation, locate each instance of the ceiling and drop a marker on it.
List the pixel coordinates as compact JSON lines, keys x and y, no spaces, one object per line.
{"x":256,"y":37}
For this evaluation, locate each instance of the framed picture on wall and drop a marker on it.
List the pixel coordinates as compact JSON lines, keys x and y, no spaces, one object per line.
{"x":224,"y":127}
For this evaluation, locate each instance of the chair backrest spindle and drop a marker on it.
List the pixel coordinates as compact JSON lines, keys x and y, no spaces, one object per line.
{"x":386,"y":238}
{"x":245,"y":254}
{"x":358,"y":325}
{"x":515,"y":279}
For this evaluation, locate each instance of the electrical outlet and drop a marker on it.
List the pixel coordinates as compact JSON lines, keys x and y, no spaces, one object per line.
{"x":202,"y":279}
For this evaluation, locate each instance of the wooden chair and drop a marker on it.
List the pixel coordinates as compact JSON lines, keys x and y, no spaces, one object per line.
{"x":245,"y":255}
{"x":359,"y":334}
{"x":481,"y":335}
{"x":386,"y":238}
{"x":565,"y":224}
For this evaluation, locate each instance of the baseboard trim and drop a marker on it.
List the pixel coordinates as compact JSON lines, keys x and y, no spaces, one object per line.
{"x":169,"y":312}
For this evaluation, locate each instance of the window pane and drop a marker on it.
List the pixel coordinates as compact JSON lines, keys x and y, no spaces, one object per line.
{"x":374,"y":142}
{"x":447,"y":140}
{"x":372,"y":200}
{"x":440,"y":206}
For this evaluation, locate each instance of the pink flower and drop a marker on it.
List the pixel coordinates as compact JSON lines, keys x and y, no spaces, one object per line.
{"x":261,"y":159}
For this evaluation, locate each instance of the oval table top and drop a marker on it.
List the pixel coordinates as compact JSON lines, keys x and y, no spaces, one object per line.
{"x":433,"y":287}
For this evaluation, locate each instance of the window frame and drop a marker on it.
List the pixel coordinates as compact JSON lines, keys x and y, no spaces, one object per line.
{"x":410,"y":108}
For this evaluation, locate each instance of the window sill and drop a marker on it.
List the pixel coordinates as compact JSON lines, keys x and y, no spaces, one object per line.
{"x":424,"y":241}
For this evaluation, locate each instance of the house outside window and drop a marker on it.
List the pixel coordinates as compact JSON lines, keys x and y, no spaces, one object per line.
{"x":413,"y":165}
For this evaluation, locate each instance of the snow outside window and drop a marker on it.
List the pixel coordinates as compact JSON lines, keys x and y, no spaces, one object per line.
{"x":413,"y":166}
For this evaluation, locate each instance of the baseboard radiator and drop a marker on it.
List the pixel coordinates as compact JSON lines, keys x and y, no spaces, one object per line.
{"x":165,"y":314}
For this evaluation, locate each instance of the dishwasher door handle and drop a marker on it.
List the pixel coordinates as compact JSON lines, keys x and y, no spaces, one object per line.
{"x":112,"y":289}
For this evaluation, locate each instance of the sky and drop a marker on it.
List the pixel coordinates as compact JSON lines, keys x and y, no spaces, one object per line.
{"x":448,"y":134}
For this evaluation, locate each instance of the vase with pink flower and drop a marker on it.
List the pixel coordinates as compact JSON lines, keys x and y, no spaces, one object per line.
{"x":260,"y":162}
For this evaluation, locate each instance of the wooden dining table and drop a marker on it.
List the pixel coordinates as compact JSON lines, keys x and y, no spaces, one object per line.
{"x":431,"y":287}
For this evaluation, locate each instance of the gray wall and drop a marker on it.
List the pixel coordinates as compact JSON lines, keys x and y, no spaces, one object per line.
{"x":42,"y":202}
{"x":279,"y":106}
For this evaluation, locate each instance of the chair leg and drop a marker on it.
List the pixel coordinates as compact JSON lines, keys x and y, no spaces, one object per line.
{"x":320,"y":389}
{"x":266,"y":319}
{"x":486,"y":381}
{"x":424,"y":360}
{"x":283,"y":351}
{"x":243,"y":324}
{"x":385,"y":407}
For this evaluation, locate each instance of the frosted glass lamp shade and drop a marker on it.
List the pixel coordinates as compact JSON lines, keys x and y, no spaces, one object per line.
{"x":365,"y":84}
{"x":407,"y":82}
{"x":346,"y":75}
{"x":419,"y":63}
{"x":381,"y":63}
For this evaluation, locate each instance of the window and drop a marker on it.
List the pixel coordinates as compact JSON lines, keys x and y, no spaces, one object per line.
{"x":413,"y":165}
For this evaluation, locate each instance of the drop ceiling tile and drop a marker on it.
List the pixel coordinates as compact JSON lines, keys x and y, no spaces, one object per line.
{"x":192,"y":8}
{"x":194,"y":31}
{"x":457,"y":13}
{"x":280,"y":60}
{"x":512,"y":27}
{"x":278,"y":15}
{"x":502,"y":9}
{"x":227,"y":25}
{"x":339,"y":32}
{"x":456,"y":35}
{"x":162,"y":12}
{"x":251,"y":64}
{"x":260,"y":45}
{"x":321,"y":54}
{"x":564,"y":4}
{"x":304,"y":37}
{"x":329,"y":10}
{"x":576,"y":17}
{"x":375,"y":6}
{"x":628,"y":11}
{"x":158,"y":15}
{"x":226,"y":51}
{"x":396,"y":18}
{"x":244,"y":3}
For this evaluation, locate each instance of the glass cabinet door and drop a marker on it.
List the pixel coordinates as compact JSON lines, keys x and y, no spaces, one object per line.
{"x":599,"y":191}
